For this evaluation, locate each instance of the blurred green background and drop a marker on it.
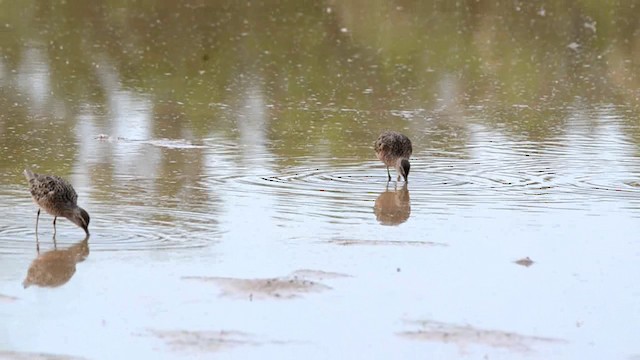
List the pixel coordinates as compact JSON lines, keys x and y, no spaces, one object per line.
{"x":326,"y":72}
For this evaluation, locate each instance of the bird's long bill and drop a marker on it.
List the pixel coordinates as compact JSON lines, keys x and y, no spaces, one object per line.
{"x":405,"y":166}
{"x":81,"y":218}
{"x":83,"y":224}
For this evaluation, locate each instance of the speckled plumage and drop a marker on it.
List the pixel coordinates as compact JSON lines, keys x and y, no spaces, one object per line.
{"x":394,"y":150}
{"x":57,"y":197}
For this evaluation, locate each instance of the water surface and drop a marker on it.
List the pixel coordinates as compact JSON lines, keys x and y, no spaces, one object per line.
{"x":225,"y":154}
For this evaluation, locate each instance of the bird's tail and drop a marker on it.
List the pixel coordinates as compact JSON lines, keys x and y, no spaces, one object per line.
{"x":28,"y":174}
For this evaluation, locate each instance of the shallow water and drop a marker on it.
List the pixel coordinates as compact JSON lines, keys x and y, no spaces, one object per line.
{"x":225,"y":154}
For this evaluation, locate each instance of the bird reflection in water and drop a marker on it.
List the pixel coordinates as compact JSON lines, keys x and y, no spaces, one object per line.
{"x":393,"y":207}
{"x":56,"y":267}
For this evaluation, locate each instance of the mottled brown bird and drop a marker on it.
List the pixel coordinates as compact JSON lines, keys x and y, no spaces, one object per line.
{"x":394,"y":150}
{"x":58,"y":198}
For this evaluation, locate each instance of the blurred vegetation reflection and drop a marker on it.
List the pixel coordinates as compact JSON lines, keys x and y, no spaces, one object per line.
{"x":325,"y":73}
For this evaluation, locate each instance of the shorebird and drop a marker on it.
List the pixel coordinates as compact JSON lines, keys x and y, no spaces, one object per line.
{"x":394,"y":149}
{"x":58,"y":198}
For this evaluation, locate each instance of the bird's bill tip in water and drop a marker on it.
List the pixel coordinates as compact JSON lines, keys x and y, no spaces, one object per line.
{"x":85,"y":227}
{"x":81,"y":218}
{"x":404,"y":169}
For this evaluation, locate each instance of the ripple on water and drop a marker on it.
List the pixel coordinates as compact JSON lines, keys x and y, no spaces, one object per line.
{"x":528,"y":176}
{"x":608,"y":186}
{"x":517,"y":176}
{"x":139,"y":227}
{"x":148,"y":214}
{"x":347,"y":192}
{"x":319,"y":191}
{"x":122,"y":237}
{"x":122,"y":227}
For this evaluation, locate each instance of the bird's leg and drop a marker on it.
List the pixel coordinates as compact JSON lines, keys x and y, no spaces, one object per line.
{"x":37,"y":244}
{"x":37,"y":218}
{"x":55,"y":244}
{"x":389,"y":173}
{"x":54,"y":226}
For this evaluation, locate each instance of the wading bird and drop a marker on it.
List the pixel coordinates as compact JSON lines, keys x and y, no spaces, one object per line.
{"x":58,"y":198}
{"x":394,"y":149}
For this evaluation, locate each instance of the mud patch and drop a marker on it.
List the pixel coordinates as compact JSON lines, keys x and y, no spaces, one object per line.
{"x":7,"y":299}
{"x":345,"y":242}
{"x":209,"y":341}
{"x":526,"y":262}
{"x":466,"y":335}
{"x":16,"y":355}
{"x":295,"y":285}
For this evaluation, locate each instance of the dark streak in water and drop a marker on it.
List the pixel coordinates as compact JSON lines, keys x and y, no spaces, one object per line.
{"x":16,"y":355}
{"x":345,"y":242}
{"x":7,"y":298}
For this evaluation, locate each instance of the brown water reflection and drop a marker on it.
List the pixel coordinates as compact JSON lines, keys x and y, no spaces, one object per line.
{"x":393,"y":207}
{"x":55,"y":268}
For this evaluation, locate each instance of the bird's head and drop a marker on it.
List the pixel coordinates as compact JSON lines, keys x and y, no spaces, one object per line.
{"x":81,"y":218}
{"x":403,"y":168}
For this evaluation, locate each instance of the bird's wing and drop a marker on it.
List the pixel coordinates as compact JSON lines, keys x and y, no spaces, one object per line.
{"x":53,"y":188}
